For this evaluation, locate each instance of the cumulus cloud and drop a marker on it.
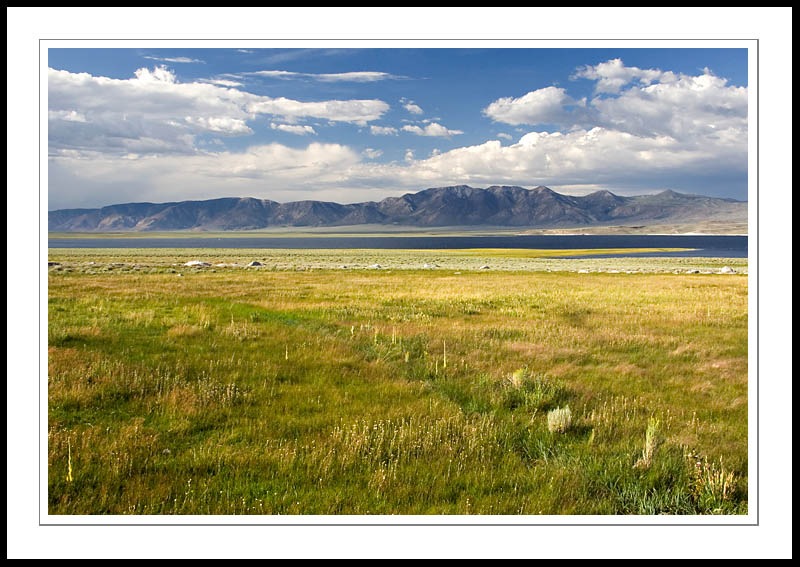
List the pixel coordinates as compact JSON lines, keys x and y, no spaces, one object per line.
{"x":580,"y":158}
{"x":351,"y":76}
{"x":272,"y":170}
{"x":668,"y":131}
{"x":703,"y":109}
{"x":372,"y":153}
{"x":382,"y":130}
{"x":505,"y":136}
{"x":300,"y":130}
{"x":413,"y":108}
{"x":220,"y":125}
{"x":433,"y":129}
{"x":550,"y":105}
{"x":612,"y":75}
{"x":155,"y":113}
{"x":174,"y":59}
{"x":597,"y":156}
{"x":643,"y":102}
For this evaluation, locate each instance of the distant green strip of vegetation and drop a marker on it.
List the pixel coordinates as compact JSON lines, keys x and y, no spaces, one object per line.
{"x":562,"y":253}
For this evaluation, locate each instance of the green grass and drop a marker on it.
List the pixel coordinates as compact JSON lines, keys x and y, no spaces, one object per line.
{"x":307,"y":389}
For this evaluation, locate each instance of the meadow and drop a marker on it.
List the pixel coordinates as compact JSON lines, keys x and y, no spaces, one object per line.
{"x":395,"y":382}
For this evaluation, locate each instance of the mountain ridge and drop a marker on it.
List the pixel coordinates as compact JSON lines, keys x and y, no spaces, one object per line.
{"x":456,"y":205}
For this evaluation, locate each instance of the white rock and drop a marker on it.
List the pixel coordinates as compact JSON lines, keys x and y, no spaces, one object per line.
{"x":197,"y":264}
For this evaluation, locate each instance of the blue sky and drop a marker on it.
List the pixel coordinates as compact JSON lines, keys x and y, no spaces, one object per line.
{"x":346,"y":125}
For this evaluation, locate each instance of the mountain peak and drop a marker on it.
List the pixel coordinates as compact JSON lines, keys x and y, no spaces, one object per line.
{"x":455,"y":205}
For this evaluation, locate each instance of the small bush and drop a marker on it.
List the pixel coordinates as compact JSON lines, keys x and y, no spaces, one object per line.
{"x":652,"y":439}
{"x":559,"y":420}
{"x":712,"y":486}
{"x":523,"y":389}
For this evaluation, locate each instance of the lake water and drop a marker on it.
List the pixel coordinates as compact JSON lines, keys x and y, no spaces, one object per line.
{"x":701,"y":245}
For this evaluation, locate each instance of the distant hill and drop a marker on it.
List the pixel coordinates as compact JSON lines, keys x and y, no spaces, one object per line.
{"x":460,"y":205}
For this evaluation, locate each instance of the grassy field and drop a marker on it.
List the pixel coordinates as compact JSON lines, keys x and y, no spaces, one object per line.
{"x":541,"y":385}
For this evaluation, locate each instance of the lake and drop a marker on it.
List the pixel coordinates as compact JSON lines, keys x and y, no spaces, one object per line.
{"x":701,"y":245}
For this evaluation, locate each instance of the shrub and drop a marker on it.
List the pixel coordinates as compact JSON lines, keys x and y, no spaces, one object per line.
{"x":712,"y":485}
{"x":652,"y":439}
{"x":559,"y":420}
{"x":522,"y":388}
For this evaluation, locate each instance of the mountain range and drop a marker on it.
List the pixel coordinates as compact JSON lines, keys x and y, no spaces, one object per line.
{"x":460,"y":205}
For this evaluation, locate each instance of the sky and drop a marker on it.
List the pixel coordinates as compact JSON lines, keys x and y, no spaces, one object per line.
{"x":350,"y":125}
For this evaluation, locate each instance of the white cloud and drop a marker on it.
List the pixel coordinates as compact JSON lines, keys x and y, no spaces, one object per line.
{"x":159,"y":74}
{"x":355,"y":76}
{"x":433,"y":129}
{"x":594,"y":157}
{"x":505,"y":136}
{"x":222,"y":82}
{"x":278,"y":74}
{"x":413,"y":108}
{"x":154,"y":113}
{"x":300,"y":130}
{"x":354,"y":111}
{"x":382,"y":130}
{"x":67,"y":115}
{"x":174,"y":59}
{"x":245,"y":51}
{"x":612,"y":75}
{"x":372,"y":153}
{"x":351,"y":77}
{"x":272,"y":170}
{"x":701,"y":109}
{"x":220,"y":125}
{"x":137,"y":137}
{"x":294,"y":54}
{"x":550,"y":105}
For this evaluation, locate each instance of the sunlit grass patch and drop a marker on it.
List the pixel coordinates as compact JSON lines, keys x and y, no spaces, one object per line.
{"x":330,"y":391}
